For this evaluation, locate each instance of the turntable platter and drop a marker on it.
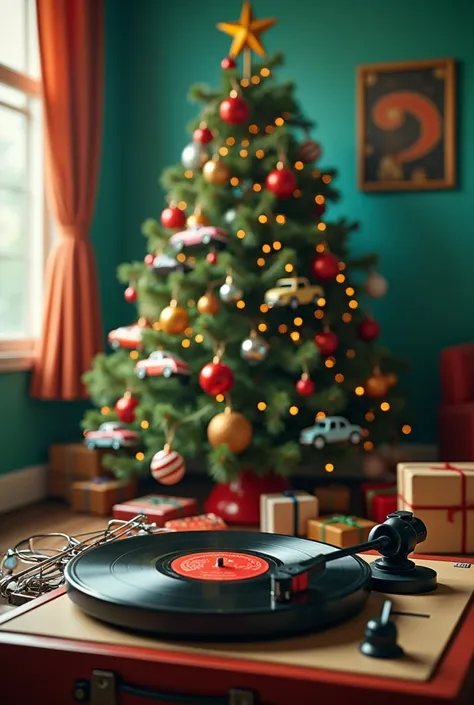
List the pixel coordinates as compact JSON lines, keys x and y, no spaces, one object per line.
{"x":212,"y":585}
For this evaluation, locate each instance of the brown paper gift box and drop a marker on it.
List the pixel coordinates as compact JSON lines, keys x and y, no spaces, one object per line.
{"x":76,"y":462}
{"x":442,"y":496}
{"x":87,"y":464}
{"x":61,"y":457}
{"x":333,"y":498}
{"x":280,"y":512}
{"x":98,"y":497}
{"x":60,"y":485}
{"x":339,"y":530}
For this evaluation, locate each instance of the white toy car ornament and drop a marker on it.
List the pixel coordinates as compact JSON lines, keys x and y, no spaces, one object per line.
{"x":332,"y":429}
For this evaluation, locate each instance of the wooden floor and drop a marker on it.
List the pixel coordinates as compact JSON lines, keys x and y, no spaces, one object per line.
{"x":44,"y":518}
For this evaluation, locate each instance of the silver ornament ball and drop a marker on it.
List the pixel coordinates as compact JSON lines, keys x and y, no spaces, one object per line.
{"x":230,"y":216}
{"x":376,"y":286}
{"x":194,"y":156}
{"x":229,"y":292}
{"x":254,"y":349}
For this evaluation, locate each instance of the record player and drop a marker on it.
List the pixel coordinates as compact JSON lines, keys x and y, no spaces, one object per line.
{"x":240,"y":618}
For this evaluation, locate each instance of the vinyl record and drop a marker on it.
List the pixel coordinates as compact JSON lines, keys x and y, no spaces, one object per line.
{"x":213,"y":585}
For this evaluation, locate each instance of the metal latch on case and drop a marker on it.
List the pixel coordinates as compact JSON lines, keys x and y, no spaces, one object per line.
{"x":102,"y":690}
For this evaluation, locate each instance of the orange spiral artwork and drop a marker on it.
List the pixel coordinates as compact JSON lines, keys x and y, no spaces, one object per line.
{"x":390,"y":113}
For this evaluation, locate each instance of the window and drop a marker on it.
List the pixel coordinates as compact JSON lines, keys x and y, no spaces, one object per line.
{"x":23,"y":223}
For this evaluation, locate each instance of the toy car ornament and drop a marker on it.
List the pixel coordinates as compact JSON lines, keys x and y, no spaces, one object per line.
{"x":161,"y":363}
{"x":111,"y":434}
{"x":200,"y":235}
{"x":293,"y":292}
{"x":129,"y":337}
{"x":332,"y":429}
{"x":164,"y":265}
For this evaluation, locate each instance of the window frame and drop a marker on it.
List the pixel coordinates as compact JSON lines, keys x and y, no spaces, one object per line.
{"x":18,"y":354}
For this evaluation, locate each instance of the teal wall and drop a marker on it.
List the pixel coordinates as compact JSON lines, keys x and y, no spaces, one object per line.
{"x":155,"y":50}
{"x":426,"y":240}
{"x":28,"y":426}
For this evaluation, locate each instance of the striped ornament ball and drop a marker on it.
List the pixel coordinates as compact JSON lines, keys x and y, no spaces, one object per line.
{"x":167,"y":466}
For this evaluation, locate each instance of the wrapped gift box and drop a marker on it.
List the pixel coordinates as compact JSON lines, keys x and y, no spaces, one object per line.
{"x":442,"y":496}
{"x":202,"y":522}
{"x":287,"y":512}
{"x":60,"y":486}
{"x":340,"y":530}
{"x":383,"y":504}
{"x":99,"y":495}
{"x":88,"y":464}
{"x":333,"y":498}
{"x":157,"y":508}
{"x":61,"y":457}
{"x":379,"y":499}
{"x":70,"y":462}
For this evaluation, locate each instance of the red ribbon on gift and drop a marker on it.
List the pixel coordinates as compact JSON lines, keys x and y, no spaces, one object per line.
{"x":450,"y":510}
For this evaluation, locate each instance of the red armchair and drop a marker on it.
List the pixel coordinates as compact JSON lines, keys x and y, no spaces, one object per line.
{"x":456,"y":415}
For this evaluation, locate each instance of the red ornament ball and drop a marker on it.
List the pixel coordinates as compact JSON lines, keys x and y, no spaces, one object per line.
{"x":173,"y":217}
{"x":327,"y":343}
{"x":326,"y":267}
{"x":320,"y":209}
{"x":305,"y":386}
{"x":234,"y":111}
{"x":167,"y":466}
{"x":211,"y":257}
{"x":281,"y":182}
{"x":149,"y":259}
{"x":203,"y":135}
{"x":125,"y":408}
{"x":216,"y":378}
{"x":228,"y":63}
{"x":130,"y":294}
{"x":368,"y":330}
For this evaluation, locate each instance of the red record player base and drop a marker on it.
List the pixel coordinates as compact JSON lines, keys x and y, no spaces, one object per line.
{"x":238,"y":502}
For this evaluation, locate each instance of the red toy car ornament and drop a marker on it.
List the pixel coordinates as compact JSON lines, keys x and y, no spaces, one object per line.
{"x":126,"y":337}
{"x":162,"y":363}
{"x":111,"y":434}
{"x":201,"y":235}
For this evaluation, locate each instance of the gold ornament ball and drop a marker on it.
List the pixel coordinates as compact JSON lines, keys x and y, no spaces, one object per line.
{"x":174,"y":320}
{"x":232,"y":429}
{"x":376,"y":386}
{"x":197,"y":220}
{"x":216,"y":172}
{"x":208,"y":303}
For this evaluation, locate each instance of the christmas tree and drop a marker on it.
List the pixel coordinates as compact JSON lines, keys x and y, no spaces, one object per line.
{"x":254,"y":322}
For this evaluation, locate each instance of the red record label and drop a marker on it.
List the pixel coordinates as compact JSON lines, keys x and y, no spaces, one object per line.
{"x":221,"y":565}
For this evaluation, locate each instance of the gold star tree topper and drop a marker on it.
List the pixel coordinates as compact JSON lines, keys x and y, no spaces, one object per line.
{"x":246,"y":32}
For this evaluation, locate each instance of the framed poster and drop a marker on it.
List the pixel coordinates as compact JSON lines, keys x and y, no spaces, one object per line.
{"x":406,"y":126}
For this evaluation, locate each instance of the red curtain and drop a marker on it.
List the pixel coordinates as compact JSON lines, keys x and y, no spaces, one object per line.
{"x":71,"y":40}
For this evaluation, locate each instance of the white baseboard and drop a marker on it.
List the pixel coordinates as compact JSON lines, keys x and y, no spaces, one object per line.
{"x":22,"y":488}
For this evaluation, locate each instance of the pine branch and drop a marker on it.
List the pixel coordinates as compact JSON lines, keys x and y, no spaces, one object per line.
{"x":286,"y":458}
{"x":223,"y":464}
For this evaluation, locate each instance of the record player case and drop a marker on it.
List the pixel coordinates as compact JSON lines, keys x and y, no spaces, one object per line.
{"x":102,"y":665}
